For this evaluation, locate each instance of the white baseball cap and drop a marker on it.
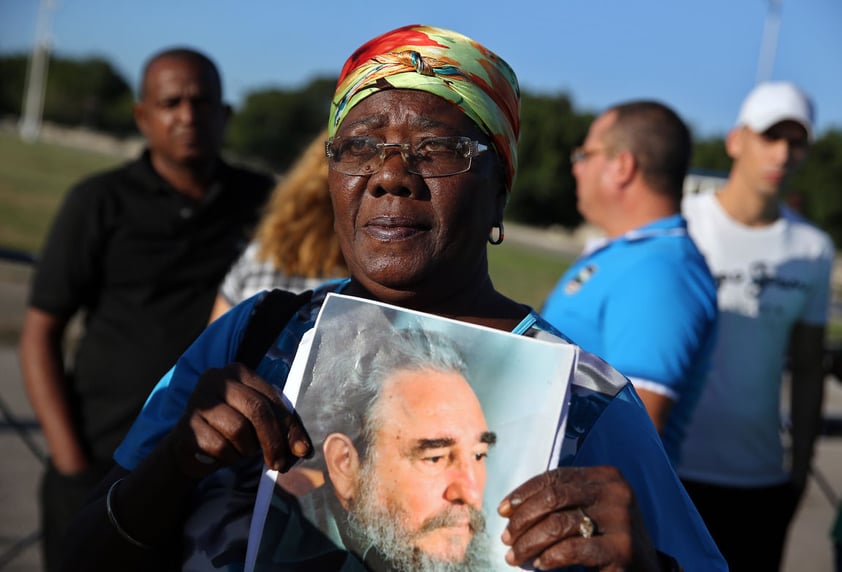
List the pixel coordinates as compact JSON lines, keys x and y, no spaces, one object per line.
{"x":772,"y":102}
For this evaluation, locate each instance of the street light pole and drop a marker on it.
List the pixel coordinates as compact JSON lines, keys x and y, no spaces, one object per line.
{"x":36,"y":76}
{"x":769,"y":43}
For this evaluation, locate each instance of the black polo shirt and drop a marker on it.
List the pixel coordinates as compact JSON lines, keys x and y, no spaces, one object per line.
{"x":143,"y":262}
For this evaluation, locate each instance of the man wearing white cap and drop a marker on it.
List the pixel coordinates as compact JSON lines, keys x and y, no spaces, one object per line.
{"x":772,"y":269}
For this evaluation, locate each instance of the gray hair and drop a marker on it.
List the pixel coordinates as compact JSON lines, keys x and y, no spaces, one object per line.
{"x":354,"y":361}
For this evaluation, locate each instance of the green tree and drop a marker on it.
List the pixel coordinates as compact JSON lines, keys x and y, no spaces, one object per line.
{"x":709,"y":155}
{"x":817,"y":187}
{"x":80,"y":93}
{"x":545,"y":192}
{"x":275,"y":125}
{"x":85,"y":93}
{"x":12,"y":78}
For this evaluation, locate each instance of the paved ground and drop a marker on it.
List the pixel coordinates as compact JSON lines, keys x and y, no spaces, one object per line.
{"x":808,"y":550}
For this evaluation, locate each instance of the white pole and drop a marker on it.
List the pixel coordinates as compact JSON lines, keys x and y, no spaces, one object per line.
{"x":36,"y":77}
{"x":769,"y":44}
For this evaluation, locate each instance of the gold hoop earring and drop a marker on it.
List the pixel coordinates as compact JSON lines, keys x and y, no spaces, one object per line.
{"x":500,"y":235}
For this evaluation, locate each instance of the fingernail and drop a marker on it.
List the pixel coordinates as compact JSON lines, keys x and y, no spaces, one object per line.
{"x":302,"y":449}
{"x":288,"y":463}
{"x":505,"y":508}
{"x":301,"y":445}
{"x":506,"y":537}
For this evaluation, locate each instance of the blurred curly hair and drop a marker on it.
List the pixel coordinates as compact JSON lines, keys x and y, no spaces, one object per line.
{"x":296,"y":231}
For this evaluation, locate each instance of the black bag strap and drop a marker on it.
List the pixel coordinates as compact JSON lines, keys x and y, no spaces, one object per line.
{"x":268,"y":317}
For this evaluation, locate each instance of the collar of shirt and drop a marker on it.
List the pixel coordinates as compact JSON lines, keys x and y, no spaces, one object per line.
{"x":673,"y":225}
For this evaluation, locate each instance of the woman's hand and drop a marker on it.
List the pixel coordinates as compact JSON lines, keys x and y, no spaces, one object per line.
{"x":581,"y":515}
{"x":233,"y":414}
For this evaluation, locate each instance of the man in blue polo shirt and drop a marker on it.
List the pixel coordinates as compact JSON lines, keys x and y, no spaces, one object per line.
{"x":642,"y":298}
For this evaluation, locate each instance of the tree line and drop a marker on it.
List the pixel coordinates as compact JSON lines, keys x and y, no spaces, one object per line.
{"x":271,"y":126}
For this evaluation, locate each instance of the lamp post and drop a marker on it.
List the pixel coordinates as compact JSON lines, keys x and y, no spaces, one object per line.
{"x":769,"y":43}
{"x":36,"y":76}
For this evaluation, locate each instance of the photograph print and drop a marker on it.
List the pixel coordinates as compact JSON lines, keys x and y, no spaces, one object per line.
{"x":420,"y":426}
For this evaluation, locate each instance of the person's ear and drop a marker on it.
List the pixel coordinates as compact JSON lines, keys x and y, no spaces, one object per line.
{"x":343,"y":467}
{"x":139,"y":112}
{"x":734,"y":142}
{"x":624,"y":167}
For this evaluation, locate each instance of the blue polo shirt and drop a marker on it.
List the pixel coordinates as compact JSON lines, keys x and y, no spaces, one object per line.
{"x":645,"y":302}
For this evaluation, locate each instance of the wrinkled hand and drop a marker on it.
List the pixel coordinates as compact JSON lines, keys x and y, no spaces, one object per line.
{"x":233,"y":414}
{"x":545,"y":514}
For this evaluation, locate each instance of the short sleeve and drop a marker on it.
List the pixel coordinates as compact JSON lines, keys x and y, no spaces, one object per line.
{"x":67,"y":269}
{"x":658,"y":323}
{"x":234,"y":284}
{"x":817,"y":308}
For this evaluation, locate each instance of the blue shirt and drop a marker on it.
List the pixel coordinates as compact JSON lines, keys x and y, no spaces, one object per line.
{"x":645,"y":302}
{"x":606,"y":425}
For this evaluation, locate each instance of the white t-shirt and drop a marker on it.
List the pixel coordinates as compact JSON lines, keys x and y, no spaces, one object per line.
{"x":768,"y":278}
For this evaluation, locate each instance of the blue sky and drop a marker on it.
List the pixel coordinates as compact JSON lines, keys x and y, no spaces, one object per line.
{"x":700,"y":57}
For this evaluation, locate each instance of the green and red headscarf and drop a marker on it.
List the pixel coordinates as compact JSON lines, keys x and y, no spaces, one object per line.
{"x":446,"y":64}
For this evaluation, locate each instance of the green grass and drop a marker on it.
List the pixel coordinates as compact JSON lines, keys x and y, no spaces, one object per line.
{"x":524,"y":274}
{"x":33,"y":179}
{"x":834,"y":331}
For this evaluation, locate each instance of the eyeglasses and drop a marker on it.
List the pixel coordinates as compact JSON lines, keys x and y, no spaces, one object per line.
{"x":430,"y":157}
{"x":580,"y":154}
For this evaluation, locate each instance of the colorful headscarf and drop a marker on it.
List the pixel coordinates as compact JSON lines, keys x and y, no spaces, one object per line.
{"x":446,"y":64}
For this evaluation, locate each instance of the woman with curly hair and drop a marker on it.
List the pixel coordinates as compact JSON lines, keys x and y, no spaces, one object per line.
{"x":295,"y":247}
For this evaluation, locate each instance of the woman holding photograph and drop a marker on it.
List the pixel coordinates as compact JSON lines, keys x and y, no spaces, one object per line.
{"x":422,"y":152}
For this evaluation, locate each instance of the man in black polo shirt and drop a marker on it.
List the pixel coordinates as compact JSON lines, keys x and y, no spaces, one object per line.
{"x":141,"y":251}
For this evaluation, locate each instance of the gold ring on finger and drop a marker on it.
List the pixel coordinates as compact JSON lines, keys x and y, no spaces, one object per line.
{"x":587,"y":527}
